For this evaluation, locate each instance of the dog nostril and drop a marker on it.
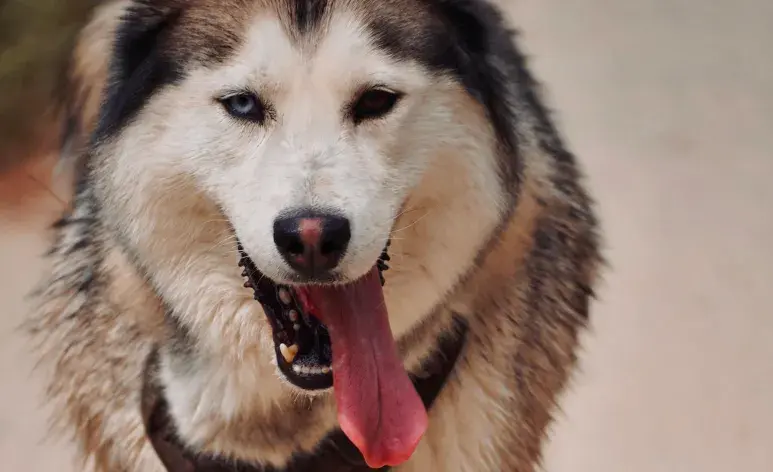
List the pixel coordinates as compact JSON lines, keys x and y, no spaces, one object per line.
{"x":287,"y":238}
{"x":328,"y":247}
{"x":294,"y":247}
{"x":335,"y":236}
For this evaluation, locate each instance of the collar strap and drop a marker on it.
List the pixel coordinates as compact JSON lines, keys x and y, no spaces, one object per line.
{"x":334,"y":454}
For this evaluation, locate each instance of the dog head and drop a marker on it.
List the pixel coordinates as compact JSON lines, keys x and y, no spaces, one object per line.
{"x":311,"y":132}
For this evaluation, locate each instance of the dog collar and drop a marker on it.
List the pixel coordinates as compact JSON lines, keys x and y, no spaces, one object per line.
{"x":334,"y":454}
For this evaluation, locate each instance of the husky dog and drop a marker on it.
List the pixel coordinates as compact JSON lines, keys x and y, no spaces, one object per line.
{"x":219,"y":296}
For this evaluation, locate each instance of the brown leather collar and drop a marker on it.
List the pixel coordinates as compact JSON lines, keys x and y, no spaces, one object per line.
{"x":334,"y":454}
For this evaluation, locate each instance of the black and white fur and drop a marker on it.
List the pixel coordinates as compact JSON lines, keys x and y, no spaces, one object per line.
{"x":486,"y":210}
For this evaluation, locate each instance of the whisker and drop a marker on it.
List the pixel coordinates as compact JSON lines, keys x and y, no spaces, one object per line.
{"x":409,"y":225}
{"x":407,"y":210}
{"x":230,"y":239}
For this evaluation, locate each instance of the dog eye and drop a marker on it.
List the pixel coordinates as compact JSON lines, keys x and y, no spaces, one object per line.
{"x":374,"y":103}
{"x":245,"y":106}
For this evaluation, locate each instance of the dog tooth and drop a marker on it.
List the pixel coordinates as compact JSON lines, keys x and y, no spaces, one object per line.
{"x":297,"y":369}
{"x":297,"y":327}
{"x":326,"y":370}
{"x":284,"y":296}
{"x":293,"y":315}
{"x":288,"y":353}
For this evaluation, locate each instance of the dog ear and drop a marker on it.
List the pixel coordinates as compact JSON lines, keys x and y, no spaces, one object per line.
{"x":493,"y":69}
{"x":483,"y":55}
{"x":140,"y":62}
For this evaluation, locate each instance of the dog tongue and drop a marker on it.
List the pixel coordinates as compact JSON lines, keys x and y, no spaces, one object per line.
{"x":378,"y":407}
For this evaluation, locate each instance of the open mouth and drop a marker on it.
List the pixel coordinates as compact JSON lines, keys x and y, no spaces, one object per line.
{"x":302,"y":342}
{"x":339,"y":336}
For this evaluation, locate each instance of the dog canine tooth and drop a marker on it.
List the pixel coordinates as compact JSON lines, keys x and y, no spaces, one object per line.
{"x":326,"y":370}
{"x":285,"y":353}
{"x":293,"y":315}
{"x":297,"y":327}
{"x":288,"y":353}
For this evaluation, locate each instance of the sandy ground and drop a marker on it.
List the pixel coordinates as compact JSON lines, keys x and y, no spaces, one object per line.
{"x":669,"y":106}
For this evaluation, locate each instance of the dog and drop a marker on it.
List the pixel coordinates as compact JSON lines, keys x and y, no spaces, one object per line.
{"x":323,"y":235}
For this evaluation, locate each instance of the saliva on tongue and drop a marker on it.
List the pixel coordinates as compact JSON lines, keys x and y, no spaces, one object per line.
{"x":379,"y":409}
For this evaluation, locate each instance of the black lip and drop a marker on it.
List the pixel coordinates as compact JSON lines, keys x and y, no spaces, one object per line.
{"x":312,"y":337}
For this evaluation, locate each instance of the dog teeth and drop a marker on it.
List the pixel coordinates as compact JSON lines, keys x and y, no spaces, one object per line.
{"x":288,"y":353}
{"x":307,"y":370}
{"x":293,"y":315}
{"x":297,"y":327}
{"x":284,"y":296}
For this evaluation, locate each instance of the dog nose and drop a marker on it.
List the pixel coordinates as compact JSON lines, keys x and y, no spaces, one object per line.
{"x":314,"y":244}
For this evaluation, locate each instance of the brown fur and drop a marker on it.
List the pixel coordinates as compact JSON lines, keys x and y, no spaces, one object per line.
{"x":88,"y":73}
{"x":526,"y":300}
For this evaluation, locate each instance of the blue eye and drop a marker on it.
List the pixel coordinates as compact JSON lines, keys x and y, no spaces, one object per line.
{"x":245,"y":106}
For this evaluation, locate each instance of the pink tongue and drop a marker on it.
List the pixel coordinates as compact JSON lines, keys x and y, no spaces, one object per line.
{"x":378,"y":407}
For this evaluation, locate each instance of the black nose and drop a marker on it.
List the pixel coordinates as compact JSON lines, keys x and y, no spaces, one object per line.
{"x":312,"y":243}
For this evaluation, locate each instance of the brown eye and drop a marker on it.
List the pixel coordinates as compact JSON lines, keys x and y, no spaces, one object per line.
{"x":374,"y":103}
{"x":245,"y":106}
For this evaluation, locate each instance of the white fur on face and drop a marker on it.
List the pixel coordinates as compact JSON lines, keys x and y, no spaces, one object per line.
{"x":309,"y":153}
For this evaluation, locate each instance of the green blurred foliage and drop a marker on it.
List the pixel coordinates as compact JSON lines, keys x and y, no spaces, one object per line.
{"x":36,"y":37}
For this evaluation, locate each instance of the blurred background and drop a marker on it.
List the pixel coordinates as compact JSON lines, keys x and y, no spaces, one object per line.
{"x":668,"y":105}
{"x":35,"y":37}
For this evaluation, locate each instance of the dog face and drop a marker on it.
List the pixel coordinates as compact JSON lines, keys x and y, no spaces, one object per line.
{"x":312,"y":133}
